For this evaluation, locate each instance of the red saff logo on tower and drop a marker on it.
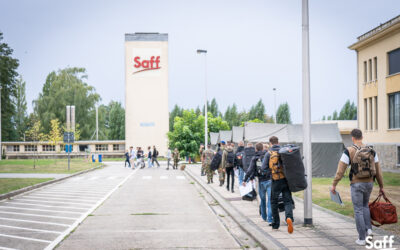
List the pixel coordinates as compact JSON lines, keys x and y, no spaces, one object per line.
{"x":145,"y":65}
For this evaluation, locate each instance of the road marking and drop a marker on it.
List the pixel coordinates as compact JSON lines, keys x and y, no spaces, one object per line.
{"x":31,"y":204}
{"x":35,"y":221}
{"x":37,"y":215}
{"x":69,"y":191}
{"x":77,"y":222}
{"x":68,"y":197}
{"x":41,"y":197}
{"x":24,"y":238}
{"x":6,"y":248}
{"x":72,"y":193}
{"x":180,"y":177}
{"x":93,"y":178}
{"x":44,"y":210}
{"x":33,"y":229}
{"x":147,"y":177}
{"x":163,"y":177}
{"x":54,"y":202}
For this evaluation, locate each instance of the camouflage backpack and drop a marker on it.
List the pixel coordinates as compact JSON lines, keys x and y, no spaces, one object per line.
{"x":275,"y":166}
{"x":363,"y":162}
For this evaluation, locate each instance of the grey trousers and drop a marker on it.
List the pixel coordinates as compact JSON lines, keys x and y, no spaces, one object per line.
{"x":360,"y":193}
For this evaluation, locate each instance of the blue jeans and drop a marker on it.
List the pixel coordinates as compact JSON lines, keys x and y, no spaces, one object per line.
{"x":149,"y":162}
{"x":241,"y":175}
{"x":264,"y":188}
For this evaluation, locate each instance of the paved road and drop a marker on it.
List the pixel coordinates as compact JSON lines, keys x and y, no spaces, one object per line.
{"x":22,"y":175}
{"x":41,"y":218}
{"x":154,"y":209}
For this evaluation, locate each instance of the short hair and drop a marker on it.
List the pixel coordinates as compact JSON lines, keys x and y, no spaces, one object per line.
{"x":274,"y":140}
{"x":356,"y":134}
{"x":259,"y":146}
{"x":249,"y":144}
{"x":209,"y":146}
{"x":241,"y":143}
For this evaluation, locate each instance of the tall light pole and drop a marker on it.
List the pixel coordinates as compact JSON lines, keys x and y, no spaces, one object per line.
{"x":306,"y":114}
{"x":203,"y":51}
{"x":1,"y":145}
{"x":274,"y":89}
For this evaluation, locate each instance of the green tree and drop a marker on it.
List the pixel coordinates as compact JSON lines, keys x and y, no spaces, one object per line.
{"x":187,"y":134}
{"x":213,"y":109}
{"x":67,"y":87}
{"x":348,"y":111}
{"x":55,"y":136}
{"x":335,"y":115}
{"x":256,"y":120}
{"x":283,"y":114}
{"x":176,"y":111}
{"x":257,"y":111}
{"x":232,"y":116}
{"x":215,"y":124}
{"x":20,"y":106}
{"x":116,"y":121}
{"x":8,"y":80}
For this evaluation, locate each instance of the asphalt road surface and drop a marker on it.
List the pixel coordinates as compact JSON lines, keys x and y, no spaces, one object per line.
{"x":114,"y":208}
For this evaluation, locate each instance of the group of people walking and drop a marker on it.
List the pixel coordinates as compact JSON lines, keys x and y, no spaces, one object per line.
{"x":136,"y":158}
{"x":262,"y":164}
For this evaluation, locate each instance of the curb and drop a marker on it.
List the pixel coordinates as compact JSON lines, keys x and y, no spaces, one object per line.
{"x":39,"y":185}
{"x":264,"y":240}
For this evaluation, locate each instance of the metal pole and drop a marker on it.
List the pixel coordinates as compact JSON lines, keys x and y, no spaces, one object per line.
{"x":1,"y":145}
{"x":206,"y":112}
{"x":306,"y":115}
{"x":274,"y":89}
{"x":97,"y":123}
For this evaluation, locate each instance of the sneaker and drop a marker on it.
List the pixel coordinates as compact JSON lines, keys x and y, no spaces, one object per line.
{"x":369,"y":232}
{"x":360,"y":242}
{"x":290,"y":225}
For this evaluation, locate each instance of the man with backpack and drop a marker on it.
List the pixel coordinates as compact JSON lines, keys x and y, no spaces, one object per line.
{"x":239,"y":161}
{"x":154,"y":157}
{"x":364,"y":169}
{"x":262,"y":172}
{"x":207,"y":157}
{"x":176,"y":157}
{"x":279,"y":185}
{"x":228,"y":161}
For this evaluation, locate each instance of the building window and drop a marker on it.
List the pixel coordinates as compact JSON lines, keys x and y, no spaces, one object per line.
{"x":49,"y":148}
{"x":31,"y":148}
{"x":101,"y":147}
{"x":366,"y":113}
{"x":370,"y":114}
{"x":376,"y":67}
{"x":398,"y":155}
{"x":16,"y":148}
{"x":394,"y":110}
{"x":117,"y":147}
{"x":370,"y":69}
{"x":365,"y":71}
{"x":394,"y":61}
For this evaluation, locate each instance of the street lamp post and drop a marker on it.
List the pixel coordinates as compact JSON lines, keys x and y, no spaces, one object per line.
{"x":274,"y":89}
{"x":202,"y":51}
{"x":306,"y":114}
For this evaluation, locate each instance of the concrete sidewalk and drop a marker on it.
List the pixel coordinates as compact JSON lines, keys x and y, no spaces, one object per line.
{"x":330,"y":230}
{"x":28,"y":175}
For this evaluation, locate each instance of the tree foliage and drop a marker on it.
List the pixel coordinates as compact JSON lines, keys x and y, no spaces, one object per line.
{"x":116,"y":121}
{"x":283,"y":114}
{"x":67,"y":87}
{"x":257,"y":111}
{"x":348,"y":112}
{"x":8,"y":83}
{"x":55,"y":136}
{"x":20,"y":107}
{"x":176,"y":111}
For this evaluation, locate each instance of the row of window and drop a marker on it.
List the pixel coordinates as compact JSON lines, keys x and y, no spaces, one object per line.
{"x":371,"y":112}
{"x":52,"y":148}
{"x":371,"y":66}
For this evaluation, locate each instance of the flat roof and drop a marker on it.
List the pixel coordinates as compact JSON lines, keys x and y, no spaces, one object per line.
{"x":382,"y":29}
{"x":146,"y":36}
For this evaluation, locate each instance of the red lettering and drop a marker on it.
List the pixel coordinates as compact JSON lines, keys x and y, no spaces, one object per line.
{"x":145,"y":64}
{"x":157,"y":62}
{"x":151,"y":62}
{"x":137,"y":61}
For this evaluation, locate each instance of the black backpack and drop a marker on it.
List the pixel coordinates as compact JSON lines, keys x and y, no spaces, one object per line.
{"x":216,"y":161}
{"x":230,"y":159}
{"x":239,"y":159}
{"x":259,"y":168}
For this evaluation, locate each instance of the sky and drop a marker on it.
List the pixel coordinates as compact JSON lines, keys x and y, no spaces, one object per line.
{"x":253,"y":46}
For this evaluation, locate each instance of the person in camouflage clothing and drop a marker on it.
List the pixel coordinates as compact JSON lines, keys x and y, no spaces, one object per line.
{"x":176,"y":157}
{"x":221,"y":168}
{"x":201,"y":150}
{"x":207,"y":156}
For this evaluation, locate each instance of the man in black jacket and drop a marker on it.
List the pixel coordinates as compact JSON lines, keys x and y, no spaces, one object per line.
{"x":154,"y":156}
{"x":258,"y":169}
